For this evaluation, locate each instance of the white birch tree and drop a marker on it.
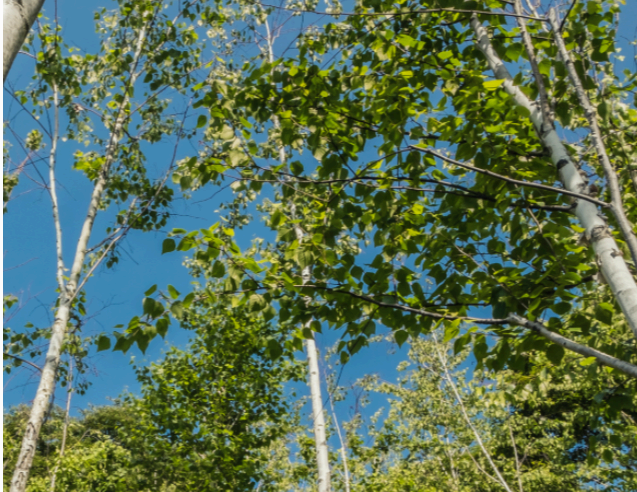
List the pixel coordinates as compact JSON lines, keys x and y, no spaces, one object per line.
{"x":97,"y":90}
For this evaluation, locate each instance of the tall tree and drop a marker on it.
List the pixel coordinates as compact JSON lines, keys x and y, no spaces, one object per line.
{"x":98,"y":90}
{"x":205,"y":420}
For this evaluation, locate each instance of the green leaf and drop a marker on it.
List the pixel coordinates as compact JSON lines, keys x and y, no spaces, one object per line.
{"x":588,"y":361}
{"x":162,"y":326}
{"x":174,"y":293}
{"x":604,"y":313}
{"x":103,"y":343}
{"x":177,"y":309}
{"x":218,"y":269}
{"x":151,"y":290}
{"x":188,"y":299}
{"x":168,"y":246}
{"x":555,"y":353}
{"x":201,"y":121}
{"x":492,"y":85}
{"x":401,"y":337}
{"x":149,"y":305}
{"x":451,"y":330}
{"x":274,"y":349}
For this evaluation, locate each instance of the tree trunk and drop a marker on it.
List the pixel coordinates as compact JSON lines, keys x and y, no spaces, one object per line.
{"x":18,"y":16}
{"x":608,"y":255}
{"x":314,"y":378}
{"x":318,"y":419}
{"x":65,"y":427}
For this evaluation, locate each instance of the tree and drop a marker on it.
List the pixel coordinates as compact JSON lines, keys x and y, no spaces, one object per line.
{"x":98,"y":89}
{"x":205,"y":420}
{"x":462,"y":211}
{"x":554,"y":428}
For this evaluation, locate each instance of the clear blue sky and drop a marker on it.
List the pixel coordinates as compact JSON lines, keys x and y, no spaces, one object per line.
{"x":114,"y":296}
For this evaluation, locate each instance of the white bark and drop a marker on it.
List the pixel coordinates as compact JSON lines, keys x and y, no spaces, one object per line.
{"x":47,"y":380}
{"x":314,"y":379}
{"x":53,"y":190}
{"x":617,"y":204}
{"x":17,"y":18}
{"x":65,"y":428}
{"x":320,"y":438}
{"x":608,"y":254}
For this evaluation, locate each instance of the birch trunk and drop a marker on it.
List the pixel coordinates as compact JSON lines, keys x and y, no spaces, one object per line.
{"x":617,"y":204}
{"x":65,"y":428}
{"x":18,"y":17}
{"x":314,"y":379}
{"x":320,"y":438}
{"x":49,"y":371}
{"x":608,"y":255}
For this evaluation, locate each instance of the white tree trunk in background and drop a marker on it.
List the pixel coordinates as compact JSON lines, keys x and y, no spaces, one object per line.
{"x":17,"y":18}
{"x":314,"y":379}
{"x":318,"y":418}
{"x":609,"y":257}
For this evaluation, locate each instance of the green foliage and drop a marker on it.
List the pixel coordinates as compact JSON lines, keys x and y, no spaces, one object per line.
{"x":415,"y":236}
{"x":205,"y":420}
{"x":566,"y":429}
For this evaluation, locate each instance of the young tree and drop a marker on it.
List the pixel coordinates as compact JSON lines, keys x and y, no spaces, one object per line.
{"x":102,"y":90}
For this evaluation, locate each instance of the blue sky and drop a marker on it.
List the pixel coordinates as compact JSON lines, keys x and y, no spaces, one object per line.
{"x":114,"y":296}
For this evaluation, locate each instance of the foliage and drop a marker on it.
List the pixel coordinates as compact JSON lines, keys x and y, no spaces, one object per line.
{"x":431,"y":235}
{"x":206,"y":416}
{"x":555,"y":428}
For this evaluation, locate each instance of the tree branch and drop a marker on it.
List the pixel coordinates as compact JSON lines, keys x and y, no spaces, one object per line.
{"x":511,"y":180}
{"x":22,"y":360}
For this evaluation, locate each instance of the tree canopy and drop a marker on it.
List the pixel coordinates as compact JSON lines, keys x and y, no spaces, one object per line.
{"x":459,"y":173}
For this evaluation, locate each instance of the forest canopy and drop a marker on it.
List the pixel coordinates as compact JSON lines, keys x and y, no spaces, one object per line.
{"x":455,"y":180}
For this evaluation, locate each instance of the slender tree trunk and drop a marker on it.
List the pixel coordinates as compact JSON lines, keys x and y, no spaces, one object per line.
{"x":465,"y":415}
{"x":343,"y":446}
{"x":18,"y":17}
{"x":320,"y":438}
{"x":314,"y":379}
{"x":65,"y":427}
{"x":608,"y":255}
{"x":49,"y":371}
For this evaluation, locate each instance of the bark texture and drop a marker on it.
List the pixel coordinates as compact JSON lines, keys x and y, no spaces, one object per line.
{"x":590,"y":111}
{"x":18,"y":17}
{"x":608,"y":255}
